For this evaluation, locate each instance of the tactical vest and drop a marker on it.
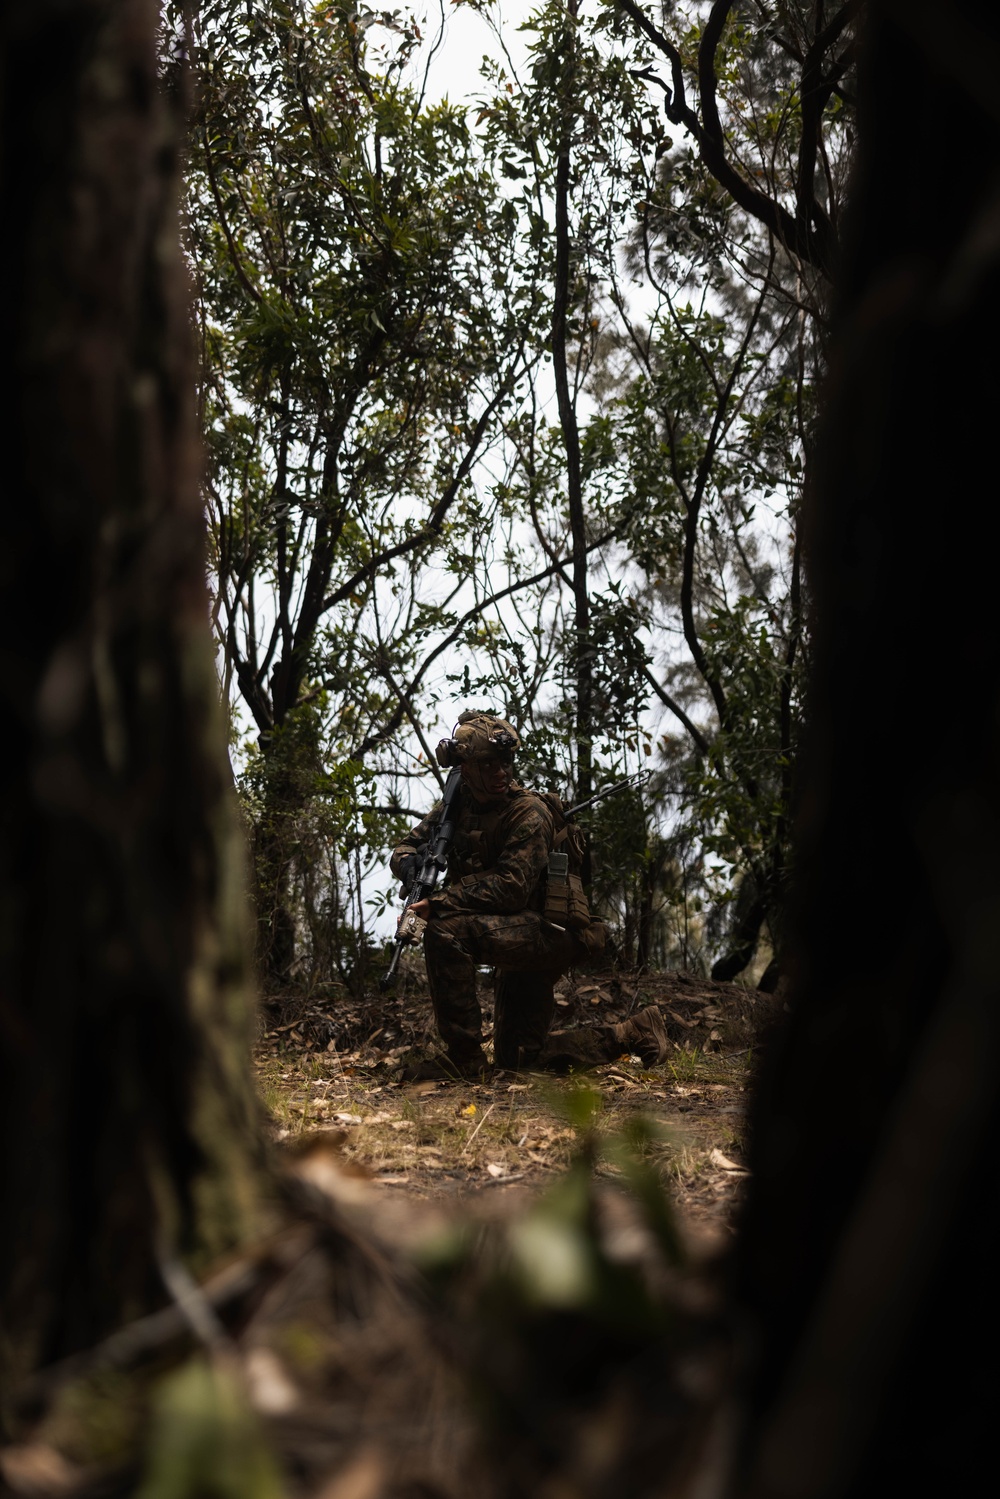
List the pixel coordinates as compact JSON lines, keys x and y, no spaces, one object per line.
{"x":476,"y":845}
{"x":560,"y":895}
{"x":478,"y":842}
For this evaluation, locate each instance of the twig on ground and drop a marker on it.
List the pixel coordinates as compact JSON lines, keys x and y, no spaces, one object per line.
{"x":475,"y":1132}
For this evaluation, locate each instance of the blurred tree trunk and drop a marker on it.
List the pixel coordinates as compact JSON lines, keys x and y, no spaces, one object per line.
{"x":128,"y":1122}
{"x":866,"y":1257}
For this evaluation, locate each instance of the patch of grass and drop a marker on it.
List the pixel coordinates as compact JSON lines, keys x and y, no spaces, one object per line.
{"x":697,"y":1066}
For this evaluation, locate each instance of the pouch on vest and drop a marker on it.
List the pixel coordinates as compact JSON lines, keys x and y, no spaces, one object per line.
{"x":557,"y":889}
{"x":565,"y":898}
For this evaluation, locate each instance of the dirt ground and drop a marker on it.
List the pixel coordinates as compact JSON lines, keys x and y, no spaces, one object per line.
{"x":331,"y":1067}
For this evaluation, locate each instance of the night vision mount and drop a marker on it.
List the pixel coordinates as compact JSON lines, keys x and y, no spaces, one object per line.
{"x":478,"y":736}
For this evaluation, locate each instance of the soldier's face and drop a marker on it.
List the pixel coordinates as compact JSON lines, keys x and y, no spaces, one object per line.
{"x":488,"y":779}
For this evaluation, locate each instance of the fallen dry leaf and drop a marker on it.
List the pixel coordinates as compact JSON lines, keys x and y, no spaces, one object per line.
{"x":620,"y":1077}
{"x":725,"y":1164}
{"x":362,"y":1478}
{"x":324,"y":1167}
{"x":475,"y":1132}
{"x":36,"y":1468}
{"x":268,"y":1385}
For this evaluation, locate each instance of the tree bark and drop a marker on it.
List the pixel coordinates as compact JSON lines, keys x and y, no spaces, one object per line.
{"x":865,"y":1256}
{"x":748,"y":918}
{"x":127,"y":1118}
{"x":566,"y":401}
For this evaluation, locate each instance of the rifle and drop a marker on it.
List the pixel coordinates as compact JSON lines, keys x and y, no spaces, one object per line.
{"x":639,"y":779}
{"x":411,"y":928}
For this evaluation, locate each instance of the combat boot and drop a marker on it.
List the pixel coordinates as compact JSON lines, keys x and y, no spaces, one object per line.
{"x":644,"y":1034}
{"x":444,"y":1068}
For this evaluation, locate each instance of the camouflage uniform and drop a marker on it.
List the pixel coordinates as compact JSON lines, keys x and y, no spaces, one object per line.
{"x":490,"y":912}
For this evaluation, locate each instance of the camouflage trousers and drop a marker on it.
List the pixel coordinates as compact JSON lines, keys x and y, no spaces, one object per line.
{"x":529,"y":954}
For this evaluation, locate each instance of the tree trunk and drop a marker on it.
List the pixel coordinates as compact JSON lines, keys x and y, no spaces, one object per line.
{"x":272,"y":842}
{"x":865,"y":1255}
{"x":744,"y":934}
{"x":128,"y":1123}
{"x":566,"y":401}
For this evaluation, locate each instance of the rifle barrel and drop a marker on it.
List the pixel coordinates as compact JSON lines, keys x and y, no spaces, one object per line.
{"x":639,"y":779}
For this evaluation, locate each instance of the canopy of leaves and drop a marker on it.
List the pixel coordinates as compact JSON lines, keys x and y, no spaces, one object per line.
{"x":394,"y":514}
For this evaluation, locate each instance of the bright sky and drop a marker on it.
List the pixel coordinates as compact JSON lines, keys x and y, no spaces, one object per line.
{"x":467,"y":37}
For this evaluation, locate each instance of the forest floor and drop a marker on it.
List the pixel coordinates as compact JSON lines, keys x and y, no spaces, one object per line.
{"x":332,"y":1071}
{"x":470,"y":1290}
{"x":556,"y":1245}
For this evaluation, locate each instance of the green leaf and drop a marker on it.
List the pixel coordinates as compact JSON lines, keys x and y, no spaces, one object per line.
{"x":205,"y":1441}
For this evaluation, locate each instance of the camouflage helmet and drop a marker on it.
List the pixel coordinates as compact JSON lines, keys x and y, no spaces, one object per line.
{"x":478,"y":737}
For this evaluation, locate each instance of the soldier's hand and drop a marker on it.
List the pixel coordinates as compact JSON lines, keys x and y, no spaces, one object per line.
{"x":413,"y":922}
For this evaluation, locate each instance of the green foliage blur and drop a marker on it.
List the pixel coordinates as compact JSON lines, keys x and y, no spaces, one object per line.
{"x":205,"y":1439}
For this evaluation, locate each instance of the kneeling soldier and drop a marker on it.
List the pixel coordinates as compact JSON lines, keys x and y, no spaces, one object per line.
{"x":491,"y":910}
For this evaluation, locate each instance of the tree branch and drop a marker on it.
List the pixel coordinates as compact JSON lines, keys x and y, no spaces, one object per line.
{"x":693,"y":508}
{"x":437,"y":517}
{"x":700,"y":742}
{"x":234,"y":255}
{"x":805,"y":242}
{"x":372,"y":740}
